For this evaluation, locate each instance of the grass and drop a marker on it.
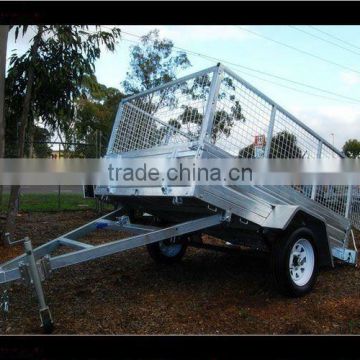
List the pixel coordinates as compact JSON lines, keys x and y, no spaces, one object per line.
{"x":49,"y":202}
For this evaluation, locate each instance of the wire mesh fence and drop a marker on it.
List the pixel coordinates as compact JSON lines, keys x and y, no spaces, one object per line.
{"x":56,"y":198}
{"x":94,"y":148}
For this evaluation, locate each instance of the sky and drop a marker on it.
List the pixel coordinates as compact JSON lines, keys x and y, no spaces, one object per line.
{"x":335,"y":119}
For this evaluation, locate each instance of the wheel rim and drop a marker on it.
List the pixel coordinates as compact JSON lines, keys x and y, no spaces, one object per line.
{"x":169,"y":248}
{"x":301,"y":262}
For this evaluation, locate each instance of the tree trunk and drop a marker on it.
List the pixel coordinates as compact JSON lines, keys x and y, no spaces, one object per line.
{"x":4,"y":29}
{"x":15,"y":189}
{"x":62,"y":143}
{"x":31,"y":140}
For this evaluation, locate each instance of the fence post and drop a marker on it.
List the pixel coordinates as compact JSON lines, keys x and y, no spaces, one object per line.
{"x":96,"y":144}
{"x":59,"y":187}
{"x":100,"y":144}
{"x":18,"y":200}
{"x":318,"y":156}
{"x":270,"y":132}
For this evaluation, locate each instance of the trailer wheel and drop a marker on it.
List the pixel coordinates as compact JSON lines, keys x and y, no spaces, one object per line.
{"x":168,"y":251}
{"x":295,"y":263}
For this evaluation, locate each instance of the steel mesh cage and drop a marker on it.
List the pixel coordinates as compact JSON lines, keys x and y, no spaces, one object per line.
{"x":217,"y":106}
{"x":170,"y":115}
{"x":240,"y":115}
{"x":243,"y":115}
{"x":354,"y":210}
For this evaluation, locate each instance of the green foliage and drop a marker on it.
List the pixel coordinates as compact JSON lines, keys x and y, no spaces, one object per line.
{"x":352,"y":148}
{"x":66,"y":55}
{"x":190,"y":116}
{"x":153,"y":63}
{"x":199,"y":89}
{"x":283,"y":146}
{"x":223,"y":120}
{"x":94,"y":116}
{"x":41,"y":136}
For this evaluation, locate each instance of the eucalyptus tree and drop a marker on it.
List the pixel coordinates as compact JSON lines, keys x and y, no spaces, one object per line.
{"x":284,"y":145}
{"x":3,"y":46}
{"x":47,"y":79}
{"x":156,"y":62}
{"x":95,"y":112}
{"x":351,"y":148}
{"x":153,"y":62}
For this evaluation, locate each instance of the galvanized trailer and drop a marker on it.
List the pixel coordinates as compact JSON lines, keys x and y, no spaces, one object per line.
{"x":211,"y":114}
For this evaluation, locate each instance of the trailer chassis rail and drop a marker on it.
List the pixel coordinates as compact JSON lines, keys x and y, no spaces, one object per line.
{"x":36,"y":265}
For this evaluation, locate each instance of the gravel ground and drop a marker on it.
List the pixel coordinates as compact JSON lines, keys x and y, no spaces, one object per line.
{"x":207,"y":293}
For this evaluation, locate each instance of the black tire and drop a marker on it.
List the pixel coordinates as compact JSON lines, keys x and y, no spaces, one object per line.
{"x":280,"y":259}
{"x":160,"y":257}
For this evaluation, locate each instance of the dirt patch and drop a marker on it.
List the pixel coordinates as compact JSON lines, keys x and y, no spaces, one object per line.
{"x":207,"y":293}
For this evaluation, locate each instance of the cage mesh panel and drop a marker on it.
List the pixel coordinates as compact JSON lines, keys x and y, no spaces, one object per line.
{"x":171,"y":115}
{"x":290,"y":140}
{"x":240,"y":115}
{"x":303,"y":189}
{"x":174,"y":115}
{"x":355,"y":206}
{"x":149,"y":132}
{"x":327,"y":153}
{"x":331,"y":196}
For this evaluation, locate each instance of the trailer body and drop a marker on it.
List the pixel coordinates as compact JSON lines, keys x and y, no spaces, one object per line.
{"x":210,"y":114}
{"x":216,"y":114}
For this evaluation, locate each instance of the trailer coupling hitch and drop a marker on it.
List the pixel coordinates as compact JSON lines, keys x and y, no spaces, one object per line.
{"x":7,"y":237}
